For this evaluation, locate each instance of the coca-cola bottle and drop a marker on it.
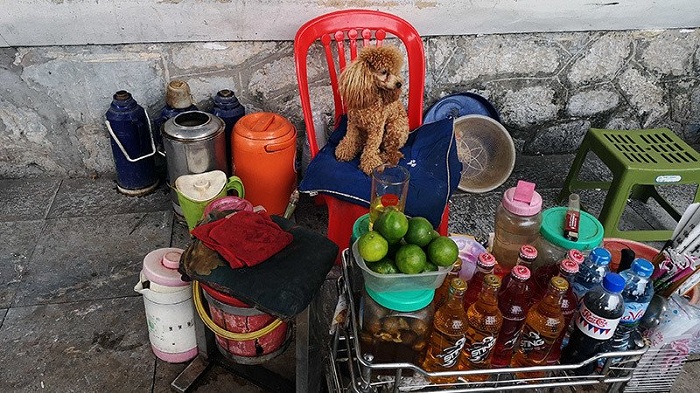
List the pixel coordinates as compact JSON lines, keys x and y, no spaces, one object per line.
{"x":448,"y":335}
{"x":443,"y":290}
{"x":526,"y":256}
{"x":484,"y":321}
{"x":485,"y":263}
{"x":597,"y":317}
{"x":569,"y":304}
{"x":513,"y":303}
{"x":542,"y":326}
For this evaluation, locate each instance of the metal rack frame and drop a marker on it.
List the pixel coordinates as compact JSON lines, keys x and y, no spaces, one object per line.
{"x":354,"y":371}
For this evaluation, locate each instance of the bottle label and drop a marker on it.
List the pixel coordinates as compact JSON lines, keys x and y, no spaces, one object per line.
{"x":450,"y":354}
{"x":571,"y":222}
{"x":634,"y":311}
{"x":595,"y":326}
{"x":480,"y":350}
{"x":531,"y":340}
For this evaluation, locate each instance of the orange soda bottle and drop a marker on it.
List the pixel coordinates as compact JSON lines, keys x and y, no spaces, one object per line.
{"x":448,"y":335}
{"x":443,"y":290}
{"x":543,"y":324}
{"x":513,"y":303}
{"x":484,"y":321}
{"x":569,"y":305}
{"x":485,"y":263}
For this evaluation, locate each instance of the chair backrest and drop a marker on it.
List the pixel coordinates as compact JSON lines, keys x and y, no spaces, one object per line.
{"x":343,"y":29}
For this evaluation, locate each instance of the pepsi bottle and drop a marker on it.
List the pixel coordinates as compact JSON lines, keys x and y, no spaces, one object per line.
{"x":598,"y":315}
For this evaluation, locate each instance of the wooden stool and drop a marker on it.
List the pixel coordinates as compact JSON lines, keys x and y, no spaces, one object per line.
{"x":639,"y":160}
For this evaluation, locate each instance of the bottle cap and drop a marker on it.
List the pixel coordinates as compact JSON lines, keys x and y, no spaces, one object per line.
{"x":458,"y":285}
{"x":492,"y":281}
{"x":457,"y":266}
{"x":520,"y":272}
{"x":559,"y":283}
{"x":522,"y":199}
{"x":568,"y":266}
{"x":600,"y":256}
{"x":486,"y":260}
{"x":642,"y":267}
{"x":178,"y":94}
{"x":576,"y":256}
{"x":528,"y":252}
{"x":613,"y":282}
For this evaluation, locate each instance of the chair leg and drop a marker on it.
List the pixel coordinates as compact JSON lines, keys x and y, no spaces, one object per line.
{"x":614,"y":205}
{"x":341,"y":217}
{"x":442,"y":228}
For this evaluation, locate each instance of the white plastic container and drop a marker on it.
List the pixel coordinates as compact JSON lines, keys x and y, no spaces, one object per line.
{"x":399,"y":282}
{"x":169,"y":308}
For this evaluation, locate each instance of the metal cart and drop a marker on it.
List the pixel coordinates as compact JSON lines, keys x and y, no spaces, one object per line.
{"x":352,"y":370}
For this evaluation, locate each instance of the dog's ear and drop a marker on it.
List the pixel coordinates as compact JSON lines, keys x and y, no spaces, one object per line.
{"x":357,"y":85}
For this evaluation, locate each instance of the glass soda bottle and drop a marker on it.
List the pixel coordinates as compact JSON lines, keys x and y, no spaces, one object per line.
{"x":484,"y":321}
{"x":598,"y":315}
{"x":545,"y":272}
{"x":517,"y":221}
{"x":567,"y":270}
{"x":513,"y":303}
{"x":448,"y":335}
{"x":444,"y":289}
{"x":592,"y":271}
{"x":637,"y":295}
{"x":543,"y":324}
{"x":526,"y":257}
{"x":485,"y":263}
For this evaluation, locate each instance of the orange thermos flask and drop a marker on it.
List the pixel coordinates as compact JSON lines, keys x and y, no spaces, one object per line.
{"x":263,"y":149}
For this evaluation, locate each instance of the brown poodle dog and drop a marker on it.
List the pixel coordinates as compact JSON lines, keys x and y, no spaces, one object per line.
{"x":377,"y":120}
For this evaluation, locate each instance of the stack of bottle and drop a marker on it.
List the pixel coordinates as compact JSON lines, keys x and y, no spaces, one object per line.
{"x":564,"y":313}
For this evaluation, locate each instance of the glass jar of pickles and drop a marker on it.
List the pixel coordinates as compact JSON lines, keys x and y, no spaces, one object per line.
{"x":396,"y":325}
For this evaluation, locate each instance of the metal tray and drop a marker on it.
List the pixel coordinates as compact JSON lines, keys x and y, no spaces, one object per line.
{"x":352,"y":370}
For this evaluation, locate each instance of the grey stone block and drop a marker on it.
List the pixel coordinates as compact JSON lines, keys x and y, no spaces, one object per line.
{"x":16,"y":249}
{"x":26,"y":199}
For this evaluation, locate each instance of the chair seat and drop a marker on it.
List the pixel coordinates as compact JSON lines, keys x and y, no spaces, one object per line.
{"x":640,"y":160}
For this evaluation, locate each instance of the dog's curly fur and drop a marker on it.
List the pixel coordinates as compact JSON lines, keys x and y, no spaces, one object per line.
{"x":377,"y":121}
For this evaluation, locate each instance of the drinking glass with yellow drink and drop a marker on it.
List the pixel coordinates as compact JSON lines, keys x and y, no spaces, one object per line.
{"x":389,"y":188}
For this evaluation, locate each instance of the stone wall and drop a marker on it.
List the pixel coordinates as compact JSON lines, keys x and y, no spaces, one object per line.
{"x":548,"y":87}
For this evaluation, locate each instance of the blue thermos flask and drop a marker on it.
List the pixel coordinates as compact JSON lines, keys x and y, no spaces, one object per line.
{"x":133,"y":148}
{"x":227,"y":108}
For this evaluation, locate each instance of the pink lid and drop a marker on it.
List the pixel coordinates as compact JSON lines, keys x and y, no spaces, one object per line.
{"x":576,"y":256}
{"x":520,"y":272}
{"x":568,"y":266}
{"x":486,"y":260}
{"x":528,"y":252}
{"x":160,"y":267}
{"x":522,"y":199}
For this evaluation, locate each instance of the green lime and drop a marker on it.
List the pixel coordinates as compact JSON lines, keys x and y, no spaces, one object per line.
{"x":420,"y":231}
{"x":392,"y":224}
{"x":443,"y":251}
{"x":430,"y":267}
{"x":410,"y":259}
{"x":372,"y":246}
{"x":385,"y":266}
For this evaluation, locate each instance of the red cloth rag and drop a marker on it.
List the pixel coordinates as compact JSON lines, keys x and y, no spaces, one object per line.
{"x":244,"y":238}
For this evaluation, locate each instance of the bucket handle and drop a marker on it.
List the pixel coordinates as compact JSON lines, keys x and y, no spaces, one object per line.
{"x":199,"y":306}
{"x":121,"y":147}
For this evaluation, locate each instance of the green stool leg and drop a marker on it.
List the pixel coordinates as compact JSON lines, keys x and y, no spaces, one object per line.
{"x":574,"y":171}
{"x":614,"y":205}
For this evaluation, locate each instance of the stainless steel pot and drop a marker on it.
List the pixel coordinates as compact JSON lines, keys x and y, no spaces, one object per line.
{"x":194,"y":143}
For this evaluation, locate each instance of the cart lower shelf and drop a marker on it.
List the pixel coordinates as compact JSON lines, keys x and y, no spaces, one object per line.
{"x":352,"y":370}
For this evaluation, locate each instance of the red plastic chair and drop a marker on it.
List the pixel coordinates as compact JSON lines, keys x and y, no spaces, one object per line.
{"x":352,"y":29}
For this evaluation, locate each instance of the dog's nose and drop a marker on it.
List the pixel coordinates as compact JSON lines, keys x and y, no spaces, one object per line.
{"x":398,"y":85}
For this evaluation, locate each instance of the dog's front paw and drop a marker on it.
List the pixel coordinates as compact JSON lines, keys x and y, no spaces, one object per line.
{"x":392,"y":157}
{"x":344,"y":151}
{"x":369,"y":162}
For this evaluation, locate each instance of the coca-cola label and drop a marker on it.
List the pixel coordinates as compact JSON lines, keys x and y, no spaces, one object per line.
{"x":595,"y":326}
{"x":450,"y":354}
{"x":634,"y":311}
{"x":480,"y":350}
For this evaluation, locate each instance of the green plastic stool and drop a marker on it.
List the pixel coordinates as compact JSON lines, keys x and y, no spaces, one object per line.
{"x":639,"y":160}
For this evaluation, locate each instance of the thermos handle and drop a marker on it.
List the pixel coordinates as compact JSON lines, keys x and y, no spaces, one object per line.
{"x":273,"y":147}
{"x":121,"y":147}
